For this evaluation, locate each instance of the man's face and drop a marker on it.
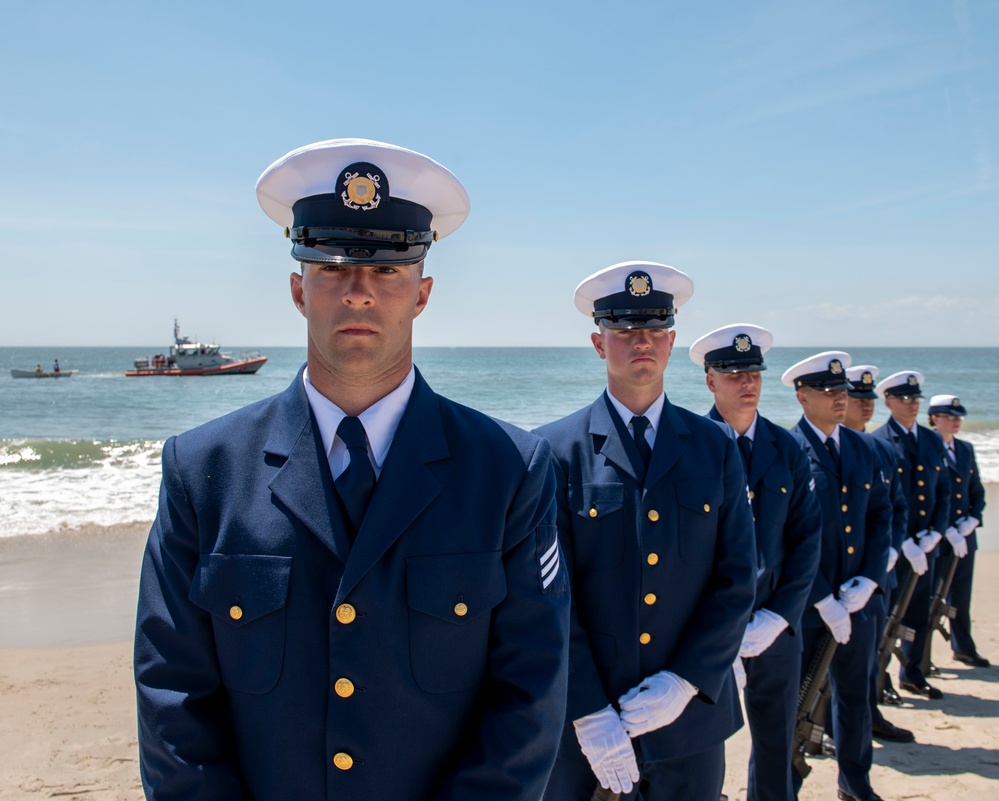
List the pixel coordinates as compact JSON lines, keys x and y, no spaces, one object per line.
{"x":735,"y":392}
{"x":859,"y":412}
{"x":947,"y":424}
{"x":636,"y":358}
{"x":360,"y":317}
{"x":904,"y":410}
{"x":824,"y":409}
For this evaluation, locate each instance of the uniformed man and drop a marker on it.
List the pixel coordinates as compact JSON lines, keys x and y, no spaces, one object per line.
{"x":658,"y":538}
{"x":856,"y":523}
{"x":788,"y":527}
{"x":859,"y":410}
{"x":967,"y":506}
{"x":924,"y":478}
{"x":332,"y":605}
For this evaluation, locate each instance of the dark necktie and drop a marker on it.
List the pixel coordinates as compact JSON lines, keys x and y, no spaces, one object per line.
{"x":644,"y":449}
{"x":833,"y":452}
{"x":912,"y":440}
{"x":746,"y":450}
{"x":951,"y":454}
{"x":357,"y":482}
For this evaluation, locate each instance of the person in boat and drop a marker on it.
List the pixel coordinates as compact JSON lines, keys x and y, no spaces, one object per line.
{"x":55,"y":367}
{"x":354,"y":589}
{"x":38,"y":369}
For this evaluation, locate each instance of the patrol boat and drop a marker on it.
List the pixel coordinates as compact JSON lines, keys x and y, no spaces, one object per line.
{"x":196,"y":358}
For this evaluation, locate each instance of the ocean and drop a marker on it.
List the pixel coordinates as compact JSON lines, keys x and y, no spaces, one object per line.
{"x":84,"y":452}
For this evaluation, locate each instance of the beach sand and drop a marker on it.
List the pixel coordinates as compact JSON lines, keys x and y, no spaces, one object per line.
{"x":67,"y":719}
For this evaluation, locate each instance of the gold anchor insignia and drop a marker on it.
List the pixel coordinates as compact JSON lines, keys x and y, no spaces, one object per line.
{"x":639,"y":285}
{"x":835,"y":367}
{"x":362,"y":191}
{"x":743,"y":343}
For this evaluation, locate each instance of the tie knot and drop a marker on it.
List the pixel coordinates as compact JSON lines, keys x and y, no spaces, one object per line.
{"x":639,"y":423}
{"x":351,"y":431}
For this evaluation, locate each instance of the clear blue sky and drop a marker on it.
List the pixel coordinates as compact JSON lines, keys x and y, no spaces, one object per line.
{"x":825,"y":169}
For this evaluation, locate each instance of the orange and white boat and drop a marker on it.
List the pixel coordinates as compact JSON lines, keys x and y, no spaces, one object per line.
{"x":196,"y":358}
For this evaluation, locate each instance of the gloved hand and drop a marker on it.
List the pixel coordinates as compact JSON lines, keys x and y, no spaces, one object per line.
{"x":967,"y":524}
{"x":957,"y":542}
{"x":892,"y":558}
{"x":929,"y":540}
{"x":655,"y":702}
{"x":836,"y":618}
{"x":608,"y":749}
{"x":740,"y":673}
{"x":761,"y":632}
{"x":856,"y":592}
{"x":915,"y":555}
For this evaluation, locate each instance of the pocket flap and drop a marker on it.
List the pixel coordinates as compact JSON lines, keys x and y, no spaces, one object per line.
{"x":241,"y":587}
{"x":698,"y":495}
{"x":600,"y":498}
{"x":456,"y":588}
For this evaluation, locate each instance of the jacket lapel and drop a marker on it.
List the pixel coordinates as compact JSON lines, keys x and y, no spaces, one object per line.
{"x":670,"y":445}
{"x":295,"y":438}
{"x":607,"y":440}
{"x":899,"y":435}
{"x":405,"y":487}
{"x":764,"y":451}
{"x":817,"y":450}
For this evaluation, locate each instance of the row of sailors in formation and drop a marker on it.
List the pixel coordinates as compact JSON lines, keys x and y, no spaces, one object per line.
{"x":849,"y":526}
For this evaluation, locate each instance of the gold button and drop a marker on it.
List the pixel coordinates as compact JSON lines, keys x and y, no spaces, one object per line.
{"x":653,"y":559}
{"x":784,"y":490}
{"x":235,"y":612}
{"x":751,"y":495}
{"x":921,"y":483}
{"x":919,"y":467}
{"x":867,"y":486}
{"x":645,"y":638}
{"x":650,"y":598}
{"x":460,"y":609}
{"x":900,"y":469}
{"x":958,"y":495}
{"x":707,"y":507}
{"x":345,"y":613}
{"x":922,"y":513}
{"x":844,"y":508}
{"x":959,"y":480}
{"x":848,"y":529}
{"x":959,"y":511}
{"x":843,"y":488}
{"x":653,"y":515}
{"x":922,"y":497}
{"x":344,"y":688}
{"x":593,"y":512}
{"x":850,"y":549}
{"x":343,"y":761}
{"x":938,"y":468}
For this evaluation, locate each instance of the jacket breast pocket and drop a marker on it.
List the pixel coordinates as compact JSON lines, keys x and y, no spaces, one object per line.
{"x":777,"y":495}
{"x":697,"y":519}
{"x":451,"y":598}
{"x":598,"y":524}
{"x":247,"y":596}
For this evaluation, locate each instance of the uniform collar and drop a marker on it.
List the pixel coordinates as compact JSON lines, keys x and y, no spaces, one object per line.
{"x":380,"y":421}
{"x":652,"y":414}
{"x":821,"y":435}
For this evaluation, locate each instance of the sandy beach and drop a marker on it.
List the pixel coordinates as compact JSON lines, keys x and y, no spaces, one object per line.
{"x":67,"y":721}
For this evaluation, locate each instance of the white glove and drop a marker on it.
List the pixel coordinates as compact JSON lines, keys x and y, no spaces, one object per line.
{"x":656,"y":702}
{"x":957,"y":542}
{"x":929,"y":541}
{"x":761,"y":632}
{"x":967,"y":524}
{"x":836,"y":618}
{"x":915,"y":555}
{"x":892,"y":558}
{"x":856,"y":592}
{"x":740,"y":673}
{"x":608,"y":749}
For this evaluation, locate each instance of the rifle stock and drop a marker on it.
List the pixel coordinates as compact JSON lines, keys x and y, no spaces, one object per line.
{"x":603,"y":794}
{"x":894,"y":630}
{"x":939,"y":609}
{"x":806,"y":729}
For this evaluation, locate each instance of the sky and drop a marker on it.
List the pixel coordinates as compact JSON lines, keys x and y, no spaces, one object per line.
{"x":824,"y":169}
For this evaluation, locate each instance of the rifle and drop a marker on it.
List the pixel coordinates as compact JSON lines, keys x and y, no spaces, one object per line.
{"x":820,"y":714}
{"x":603,"y":794}
{"x":805,"y":728}
{"x":939,"y":609}
{"x":894,"y":631}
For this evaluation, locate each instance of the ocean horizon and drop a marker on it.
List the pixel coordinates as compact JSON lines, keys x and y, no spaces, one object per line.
{"x":84,"y":451}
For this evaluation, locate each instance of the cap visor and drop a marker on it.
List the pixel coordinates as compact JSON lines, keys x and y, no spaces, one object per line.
{"x":358,"y":254}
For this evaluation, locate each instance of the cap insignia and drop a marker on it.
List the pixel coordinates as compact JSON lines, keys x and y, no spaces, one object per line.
{"x":955,"y":402}
{"x":835,"y":367}
{"x":867,"y":379}
{"x":639,"y":284}
{"x":362,"y":190}
{"x":742,"y":343}
{"x":912,"y":381}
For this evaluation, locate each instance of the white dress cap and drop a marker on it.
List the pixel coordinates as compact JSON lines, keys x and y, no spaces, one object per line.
{"x":862,"y":377}
{"x":903,"y":384}
{"x":735,"y":348}
{"x":361,"y":201}
{"x":826,"y":371}
{"x":634,"y":294}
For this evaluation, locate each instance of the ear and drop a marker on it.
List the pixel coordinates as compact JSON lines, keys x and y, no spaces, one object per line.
{"x":297,"y":295}
{"x":709,"y":379}
{"x":426,"y":284}
{"x":598,"y":344}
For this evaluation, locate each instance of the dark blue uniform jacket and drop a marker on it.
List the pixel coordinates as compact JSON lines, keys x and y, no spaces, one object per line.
{"x":276,"y":661}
